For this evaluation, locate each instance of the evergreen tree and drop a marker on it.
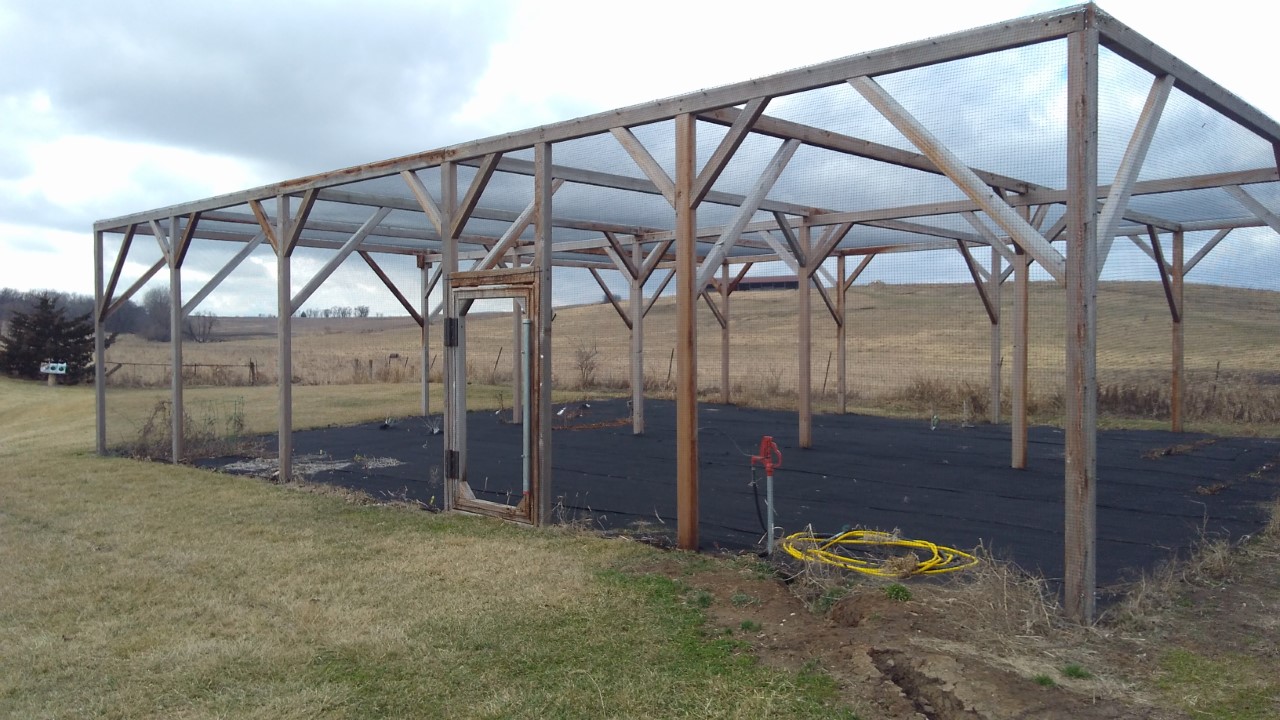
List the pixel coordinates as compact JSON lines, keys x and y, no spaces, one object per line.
{"x":47,"y":334}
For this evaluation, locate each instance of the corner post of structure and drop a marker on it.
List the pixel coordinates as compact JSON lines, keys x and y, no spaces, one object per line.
{"x":637,"y":339}
{"x":99,"y":348}
{"x":1081,"y":319}
{"x":178,"y":414}
{"x":424,"y":273}
{"x":1178,"y":381}
{"x":686,"y":334}
{"x":725,"y":395}
{"x":804,"y":325}
{"x":449,"y":266}
{"x":842,"y":314}
{"x":284,"y":337}
{"x":993,"y":291}
{"x":1021,"y":296}
{"x":517,"y":341}
{"x":540,"y":392}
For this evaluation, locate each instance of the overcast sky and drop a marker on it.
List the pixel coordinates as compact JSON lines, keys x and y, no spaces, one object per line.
{"x":108,"y":108}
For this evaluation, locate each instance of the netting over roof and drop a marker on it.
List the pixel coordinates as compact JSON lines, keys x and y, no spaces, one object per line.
{"x":994,"y":97}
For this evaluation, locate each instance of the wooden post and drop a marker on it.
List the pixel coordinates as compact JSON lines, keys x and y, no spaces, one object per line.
{"x":637,"y":340}
{"x":284,"y":338}
{"x":178,"y":414}
{"x":449,"y":257}
{"x":1081,"y":306}
{"x":1177,"y":384}
{"x":1021,"y":268}
{"x":804,"y":323}
{"x":425,"y":312}
{"x":993,"y":291}
{"x":725,"y":396}
{"x":842,"y":310}
{"x":99,"y":347}
{"x":542,"y":192}
{"x":686,"y":335}
{"x":517,"y":339}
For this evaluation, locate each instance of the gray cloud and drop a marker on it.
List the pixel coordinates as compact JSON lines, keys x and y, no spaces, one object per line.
{"x":301,"y":89}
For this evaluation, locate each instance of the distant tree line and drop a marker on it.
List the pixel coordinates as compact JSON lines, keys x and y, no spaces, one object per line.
{"x":337,"y":311}
{"x":148,"y":319}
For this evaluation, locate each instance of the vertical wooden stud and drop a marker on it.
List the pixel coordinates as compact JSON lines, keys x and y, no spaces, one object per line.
{"x":842,"y":358}
{"x":725,"y":396}
{"x":284,"y":338}
{"x":449,"y":258}
{"x":1018,"y":432}
{"x":424,"y":308}
{"x":540,"y":392}
{"x":1081,"y":304}
{"x":804,"y":329}
{"x":1178,"y":381}
{"x":178,"y":414}
{"x":517,"y":339}
{"x":993,"y":292}
{"x":637,"y":339}
{"x":686,"y":335}
{"x":99,"y":348}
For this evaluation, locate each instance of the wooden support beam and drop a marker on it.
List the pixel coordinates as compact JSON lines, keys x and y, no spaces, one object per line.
{"x":729,"y":144}
{"x":334,"y":262}
{"x":541,"y":377}
{"x":737,"y":279}
{"x":100,"y":301}
{"x":299,"y":220}
{"x":135,"y":287}
{"x":1021,"y":337}
{"x":162,"y":238}
{"x":666,"y":280}
{"x":424,"y":320}
{"x":177,"y":414}
{"x":866,"y":260}
{"x":638,"y":311}
{"x":826,"y":298}
{"x":720,"y":250}
{"x":1080,"y":580}
{"x":655,"y":256}
{"x":425,"y":201}
{"x":222,"y":274}
{"x":993,"y":312}
{"x":184,"y":241}
{"x":1130,"y":165}
{"x":1251,"y":204}
{"x":1144,"y":246}
{"x":1205,"y":250}
{"x":715,"y":311}
{"x":686,"y":340}
{"x":613,"y":299}
{"x":1178,"y":380}
{"x":105,"y":301}
{"x":513,"y":233}
{"x":265,"y":222}
{"x":831,"y":237}
{"x":997,"y":245}
{"x":454,"y":364}
{"x":842,"y":350}
{"x":804,"y":347}
{"x":793,"y":242}
{"x":472,"y":198}
{"x":726,"y":289}
{"x":390,"y":285}
{"x":284,"y":335}
{"x":620,"y":256}
{"x":646,"y":162}
{"x":996,"y":356}
{"x":1163,"y":268}
{"x":996,"y":208}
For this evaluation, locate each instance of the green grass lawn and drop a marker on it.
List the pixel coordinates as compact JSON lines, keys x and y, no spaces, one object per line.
{"x":136,"y":590}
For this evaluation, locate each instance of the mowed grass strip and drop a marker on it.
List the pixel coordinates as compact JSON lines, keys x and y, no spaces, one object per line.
{"x":136,"y":590}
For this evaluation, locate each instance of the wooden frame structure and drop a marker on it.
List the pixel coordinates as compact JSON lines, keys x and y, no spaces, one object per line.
{"x":471,"y":207}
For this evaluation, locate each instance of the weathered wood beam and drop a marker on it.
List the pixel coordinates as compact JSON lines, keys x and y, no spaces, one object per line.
{"x":425,"y":202}
{"x":848,"y":145}
{"x":299,"y":220}
{"x":729,"y":144}
{"x":184,"y":242}
{"x":621,"y":256}
{"x":513,"y":233}
{"x":265,"y":222}
{"x":686,"y":339}
{"x":996,"y":244}
{"x":1147,"y":55}
{"x":1205,"y":250}
{"x":1081,"y":276}
{"x":613,"y":299}
{"x":993,"y":312}
{"x":472,"y":198}
{"x":390,"y":285}
{"x":121,"y":255}
{"x":964,"y":178}
{"x":646,"y":162}
{"x":135,"y":287}
{"x":1251,"y":204}
{"x":1163,"y":268}
{"x":729,"y":237}
{"x":789,"y":236}
{"x":666,"y":280}
{"x":1178,"y":379}
{"x":1131,"y":164}
{"x":162,"y":238}
{"x":866,"y":260}
{"x":222,"y":274}
{"x":347,"y":248}
{"x":720,"y":319}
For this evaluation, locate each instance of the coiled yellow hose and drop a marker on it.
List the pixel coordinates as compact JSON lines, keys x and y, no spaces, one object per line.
{"x":847,"y":550}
